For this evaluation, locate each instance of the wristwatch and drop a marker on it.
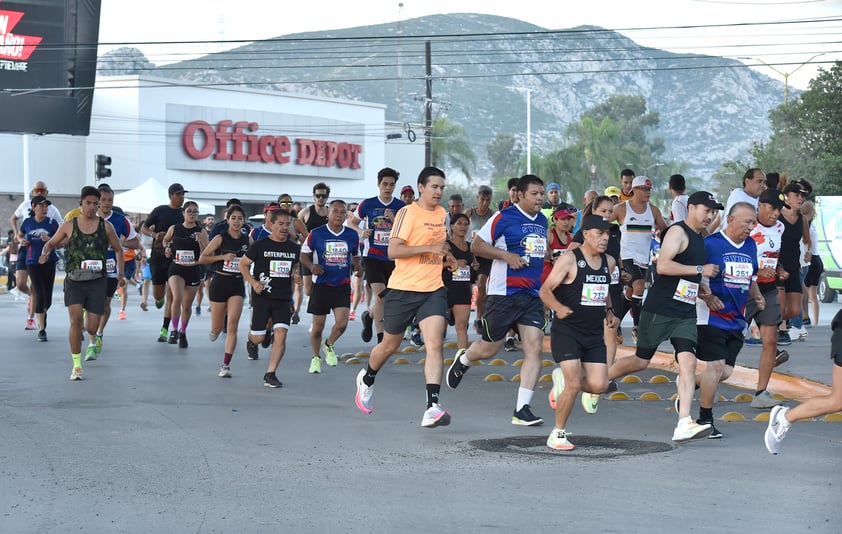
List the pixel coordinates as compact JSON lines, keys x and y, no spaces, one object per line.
{"x":700,"y":269}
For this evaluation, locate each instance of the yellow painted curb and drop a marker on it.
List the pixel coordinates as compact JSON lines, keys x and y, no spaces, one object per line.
{"x":408,"y":349}
{"x":619,"y":396}
{"x":744,"y":397}
{"x":401,"y":361}
{"x":659,"y":379}
{"x":422,"y":361}
{"x":352,"y":361}
{"x":517,"y":363}
{"x":631,"y":379}
{"x":547,"y":363}
{"x":516,"y":378}
{"x":762,"y":418}
{"x":733,"y":416}
{"x":451,"y":345}
{"x":832,"y":418}
{"x":498,"y":361}
{"x":650,"y":396}
{"x":494,"y":377}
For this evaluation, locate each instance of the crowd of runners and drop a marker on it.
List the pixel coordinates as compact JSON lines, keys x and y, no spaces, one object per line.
{"x":707,"y":277}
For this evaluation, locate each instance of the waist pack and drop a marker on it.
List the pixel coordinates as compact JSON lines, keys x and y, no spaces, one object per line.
{"x":84,"y":275}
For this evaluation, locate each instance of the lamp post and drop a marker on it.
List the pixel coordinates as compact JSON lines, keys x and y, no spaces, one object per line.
{"x":786,"y":75}
{"x":654,"y":165}
{"x":593,"y":176}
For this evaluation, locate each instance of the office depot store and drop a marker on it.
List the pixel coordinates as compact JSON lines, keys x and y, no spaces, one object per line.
{"x":219,"y":142}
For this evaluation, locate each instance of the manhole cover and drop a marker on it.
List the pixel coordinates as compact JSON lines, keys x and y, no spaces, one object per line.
{"x":586,"y":446}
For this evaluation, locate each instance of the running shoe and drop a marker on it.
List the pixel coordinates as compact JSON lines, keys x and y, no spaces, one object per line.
{"x":764,"y":400}
{"x":435,"y":416}
{"x":90,"y":353}
{"x":456,"y":370}
{"x":98,"y":344}
{"x":753,"y":341}
{"x":352,"y":316}
{"x":558,"y":440}
{"x":122,"y":315}
{"x":198,"y":310}
{"x":612,"y":386}
{"x":159,"y":303}
{"x":30,"y":324}
{"x":368,"y":323}
{"x":558,"y":386}
{"x":251,"y":350}
{"x":225,"y":371}
{"x":777,"y":429}
{"x":807,"y":322}
{"x":688,"y":430}
{"x":781,"y":357}
{"x":330,"y":354}
{"x":525,"y":417}
{"x":416,"y":340}
{"x":509,"y":345}
{"x":315,"y":365}
{"x":144,"y":306}
{"x":173,"y":339}
{"x":76,"y":373}
{"x":295,"y":319}
{"x":270,"y":380}
{"x":451,"y":319}
{"x":182,"y":340}
{"x":42,"y":336}
{"x":364,"y":393}
{"x":635,"y":330}
{"x":715,"y":433}
{"x":590,"y":402}
{"x":162,"y":336}
{"x":213,"y":336}
{"x":783,"y":338}
{"x":267,"y":338}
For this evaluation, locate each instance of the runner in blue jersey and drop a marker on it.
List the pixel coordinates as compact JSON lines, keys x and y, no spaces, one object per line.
{"x":329,"y":253}
{"x":379,"y":214}
{"x":516,"y":239}
{"x":721,"y":314}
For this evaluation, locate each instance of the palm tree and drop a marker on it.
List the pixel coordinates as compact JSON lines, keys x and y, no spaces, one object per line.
{"x":451,"y":148}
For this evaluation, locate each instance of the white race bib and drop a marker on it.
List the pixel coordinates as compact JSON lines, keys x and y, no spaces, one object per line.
{"x":594,"y":295}
{"x":767,"y":263}
{"x":462,"y":274}
{"x":381,"y":237}
{"x":280,"y":268}
{"x":185,"y":257}
{"x":615,"y":276}
{"x":535,"y":246}
{"x":231,"y":266}
{"x":91,"y":265}
{"x":738,"y":272}
{"x":686,"y":292}
{"x":111,"y":265}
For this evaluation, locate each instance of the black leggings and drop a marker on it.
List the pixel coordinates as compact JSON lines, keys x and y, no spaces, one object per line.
{"x":42,"y":278}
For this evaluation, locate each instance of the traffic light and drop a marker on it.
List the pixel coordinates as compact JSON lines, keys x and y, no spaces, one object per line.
{"x":101,"y":162}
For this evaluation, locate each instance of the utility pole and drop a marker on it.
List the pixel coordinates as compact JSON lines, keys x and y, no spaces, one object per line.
{"x":428,"y":108}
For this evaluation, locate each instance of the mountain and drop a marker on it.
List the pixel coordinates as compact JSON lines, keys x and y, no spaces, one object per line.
{"x":710,"y":108}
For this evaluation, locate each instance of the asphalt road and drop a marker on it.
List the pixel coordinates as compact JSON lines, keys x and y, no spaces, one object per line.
{"x":153,"y":441}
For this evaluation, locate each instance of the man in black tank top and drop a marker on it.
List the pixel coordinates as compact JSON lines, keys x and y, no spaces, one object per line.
{"x":313,"y":217}
{"x":577,"y":291}
{"x":669,"y":311}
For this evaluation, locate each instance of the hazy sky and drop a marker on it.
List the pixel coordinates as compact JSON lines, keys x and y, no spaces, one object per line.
{"x":786,"y":45}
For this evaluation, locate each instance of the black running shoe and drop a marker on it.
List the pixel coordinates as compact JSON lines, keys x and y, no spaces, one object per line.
{"x":295,"y":319}
{"x":525,"y":417}
{"x":782,"y":356}
{"x":368,"y":324}
{"x":182,"y":340}
{"x":173,"y":339}
{"x":451,"y":320}
{"x":783,"y":338}
{"x":271,"y":381}
{"x":251,"y":349}
{"x":42,"y":335}
{"x":456,"y":370}
{"x":612,"y":386}
{"x":267,"y":339}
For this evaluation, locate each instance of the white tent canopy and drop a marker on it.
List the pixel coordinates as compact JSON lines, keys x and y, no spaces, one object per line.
{"x":151,"y":193}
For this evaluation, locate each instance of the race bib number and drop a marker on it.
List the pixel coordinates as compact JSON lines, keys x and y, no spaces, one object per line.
{"x":111,"y":265}
{"x":381,"y":237}
{"x":231,"y":266}
{"x":185,"y":257}
{"x":594,"y":295}
{"x":768,"y":263}
{"x":615,"y":276}
{"x":280,"y":269}
{"x":336,"y":253}
{"x":535,"y":246}
{"x":462,"y":274}
{"x":686,"y":292}
{"x":738,"y":272}
{"x":91,"y":265}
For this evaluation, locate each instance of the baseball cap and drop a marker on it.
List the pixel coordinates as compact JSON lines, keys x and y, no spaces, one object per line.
{"x":406,"y":188}
{"x":176,"y":188}
{"x":773,"y":197}
{"x":612,"y":191}
{"x":40,"y":199}
{"x":641,"y":181}
{"x":564,"y":213}
{"x":553,"y":187}
{"x":595,"y":221}
{"x":705,"y":199}
{"x":795,"y":187}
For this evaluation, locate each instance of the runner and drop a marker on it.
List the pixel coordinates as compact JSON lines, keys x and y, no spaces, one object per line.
{"x":297,"y":234}
{"x":156,"y":226}
{"x":357,"y":285}
{"x":479,"y":215}
{"x":721,"y":320}
{"x":626,"y":180}
{"x":329,"y":253}
{"x":36,"y":230}
{"x":379,"y":214}
{"x":275,"y":260}
{"x":458,"y":282}
{"x":313,"y":217}
{"x":782,"y":417}
{"x":669,"y":311}
{"x":88,"y":237}
{"x":184,"y":244}
{"x":796,"y":230}
{"x":577,"y":292}
{"x":407,"y":195}
{"x":128,"y":238}
{"x":416,"y":291}
{"x":559,"y":238}
{"x":516,"y":239}
{"x":227,"y":291}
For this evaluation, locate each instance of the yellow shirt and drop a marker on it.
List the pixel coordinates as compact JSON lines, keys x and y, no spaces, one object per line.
{"x":418,"y":227}
{"x":72,"y":214}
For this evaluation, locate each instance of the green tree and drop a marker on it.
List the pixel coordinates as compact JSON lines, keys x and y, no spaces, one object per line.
{"x":504,"y":152}
{"x":451,"y":148}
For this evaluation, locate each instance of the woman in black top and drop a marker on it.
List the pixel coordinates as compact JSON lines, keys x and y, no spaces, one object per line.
{"x":796,"y":229}
{"x":459,"y":282}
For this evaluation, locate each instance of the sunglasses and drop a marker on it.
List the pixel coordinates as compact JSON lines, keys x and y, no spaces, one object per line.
{"x":320,"y":195}
{"x":285,"y":203}
{"x":40,"y":190}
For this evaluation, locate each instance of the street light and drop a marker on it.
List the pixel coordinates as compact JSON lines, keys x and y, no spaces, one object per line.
{"x":786,"y":75}
{"x":654,"y":165}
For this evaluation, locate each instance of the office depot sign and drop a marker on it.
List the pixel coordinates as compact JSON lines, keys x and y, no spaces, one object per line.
{"x":240,"y":141}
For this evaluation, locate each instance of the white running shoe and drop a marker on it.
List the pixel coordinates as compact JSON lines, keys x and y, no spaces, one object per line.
{"x":435,"y":416}
{"x":225,"y":372}
{"x":776,"y":431}
{"x":364,"y":393}
{"x":558,"y":440}
{"x":689,"y":430}
{"x":558,"y":386}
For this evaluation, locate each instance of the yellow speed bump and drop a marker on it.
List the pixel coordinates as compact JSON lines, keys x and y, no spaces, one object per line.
{"x":832,"y":418}
{"x":619,"y":396}
{"x":546,"y":378}
{"x":408,"y":349}
{"x":762,"y":417}
{"x":650,"y":396}
{"x":733,"y":416}
{"x":345,"y":356}
{"x":547,"y":363}
{"x":498,"y":361}
{"x":631,"y":379}
{"x":778,"y":396}
{"x":401,"y":361}
{"x":448,"y":361}
{"x":744,"y":397}
{"x":361,"y":355}
{"x":659,"y":379}
{"x":721,"y":398}
{"x":517,"y":363}
{"x":352,"y":361}
{"x":422,"y":361}
{"x":494,"y":377}
{"x":451,"y":345}
{"x":516,"y":378}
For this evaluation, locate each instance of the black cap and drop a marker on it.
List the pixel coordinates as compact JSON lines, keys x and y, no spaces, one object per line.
{"x":773,"y":197}
{"x":795,"y":187}
{"x":176,"y":188}
{"x":40,"y":199}
{"x":595,"y":221}
{"x":705,"y":199}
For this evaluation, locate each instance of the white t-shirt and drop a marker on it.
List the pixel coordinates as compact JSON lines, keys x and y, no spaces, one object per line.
{"x":678,"y":210}
{"x":737,"y":195}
